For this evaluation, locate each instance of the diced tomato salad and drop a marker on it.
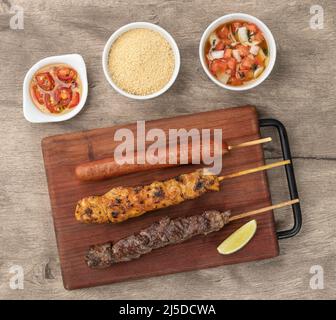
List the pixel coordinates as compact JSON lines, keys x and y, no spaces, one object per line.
{"x":236,"y":53}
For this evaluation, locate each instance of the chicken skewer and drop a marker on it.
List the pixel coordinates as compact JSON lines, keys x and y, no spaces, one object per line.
{"x":108,"y":167}
{"x":122,"y":203}
{"x":165,"y":232}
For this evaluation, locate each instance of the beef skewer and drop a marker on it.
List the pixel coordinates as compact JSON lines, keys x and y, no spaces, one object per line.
{"x":122,"y":203}
{"x":163,"y":233}
{"x":108,"y":167}
{"x":160,"y":234}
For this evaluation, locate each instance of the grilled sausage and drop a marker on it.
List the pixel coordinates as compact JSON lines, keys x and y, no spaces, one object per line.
{"x":108,"y":167}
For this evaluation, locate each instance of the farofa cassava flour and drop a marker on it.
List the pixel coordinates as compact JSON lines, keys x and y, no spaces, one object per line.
{"x":141,"y":62}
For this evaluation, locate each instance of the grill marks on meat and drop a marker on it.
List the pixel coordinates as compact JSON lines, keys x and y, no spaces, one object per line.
{"x":122,"y":203}
{"x":160,"y":234}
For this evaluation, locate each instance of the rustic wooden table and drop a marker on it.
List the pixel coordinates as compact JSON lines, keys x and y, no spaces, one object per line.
{"x":298,"y":92}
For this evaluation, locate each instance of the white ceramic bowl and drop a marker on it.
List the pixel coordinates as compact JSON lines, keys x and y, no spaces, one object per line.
{"x":31,"y":112}
{"x":142,"y":25}
{"x":268,"y":37}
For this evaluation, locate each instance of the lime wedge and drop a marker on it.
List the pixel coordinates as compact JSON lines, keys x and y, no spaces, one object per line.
{"x":238,"y":239}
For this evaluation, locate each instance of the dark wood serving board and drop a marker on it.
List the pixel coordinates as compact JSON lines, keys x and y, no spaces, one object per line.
{"x":63,"y":153}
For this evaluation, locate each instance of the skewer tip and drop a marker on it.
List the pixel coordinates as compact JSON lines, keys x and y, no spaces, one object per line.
{"x":250,"y":143}
{"x":253,"y":170}
{"x":265,"y":209}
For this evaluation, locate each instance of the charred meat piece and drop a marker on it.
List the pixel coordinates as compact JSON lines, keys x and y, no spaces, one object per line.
{"x":122,"y":203}
{"x":160,"y":234}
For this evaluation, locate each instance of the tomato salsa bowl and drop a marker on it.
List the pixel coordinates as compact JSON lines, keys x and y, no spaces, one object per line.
{"x":237,"y":51}
{"x":55,"y":89}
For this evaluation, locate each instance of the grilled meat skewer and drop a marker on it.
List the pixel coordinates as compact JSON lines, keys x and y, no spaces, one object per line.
{"x":160,"y":234}
{"x":122,"y":203}
{"x":165,"y":232}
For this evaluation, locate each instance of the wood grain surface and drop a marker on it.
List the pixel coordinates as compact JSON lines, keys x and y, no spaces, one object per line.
{"x":299,"y":92}
{"x":62,"y":153}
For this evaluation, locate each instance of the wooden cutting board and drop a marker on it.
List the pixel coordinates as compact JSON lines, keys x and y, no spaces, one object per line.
{"x":63,"y":153}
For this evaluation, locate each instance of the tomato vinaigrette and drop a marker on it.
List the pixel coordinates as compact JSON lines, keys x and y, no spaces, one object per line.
{"x":56,"y":89}
{"x":236,"y":53}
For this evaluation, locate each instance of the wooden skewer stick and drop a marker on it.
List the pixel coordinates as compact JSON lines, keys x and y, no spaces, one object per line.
{"x":257,"y":211}
{"x":250,"y":143}
{"x":257,"y":169}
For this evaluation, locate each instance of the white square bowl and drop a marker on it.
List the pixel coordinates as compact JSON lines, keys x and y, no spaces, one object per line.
{"x":31,"y":112}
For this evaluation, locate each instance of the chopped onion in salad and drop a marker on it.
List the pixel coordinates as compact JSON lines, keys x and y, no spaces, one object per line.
{"x":261,"y":55}
{"x":254,"y":50}
{"x":213,"y":39}
{"x":232,"y":38}
{"x":242,"y":35}
{"x":217,"y":54}
{"x":223,"y":77}
{"x":258,"y":72}
{"x":236,"y":55}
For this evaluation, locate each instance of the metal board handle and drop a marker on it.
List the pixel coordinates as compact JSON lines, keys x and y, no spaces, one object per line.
{"x":286,"y":154}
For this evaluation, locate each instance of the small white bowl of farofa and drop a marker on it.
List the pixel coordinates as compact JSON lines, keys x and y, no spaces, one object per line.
{"x":141,"y":60}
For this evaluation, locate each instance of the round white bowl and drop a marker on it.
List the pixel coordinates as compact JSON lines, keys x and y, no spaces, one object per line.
{"x":268,"y":37}
{"x":141,"y":25}
{"x":31,"y":112}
